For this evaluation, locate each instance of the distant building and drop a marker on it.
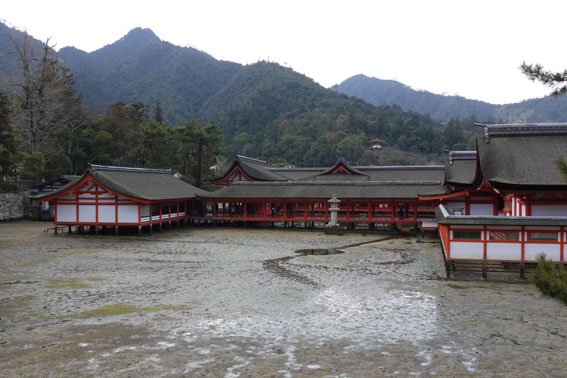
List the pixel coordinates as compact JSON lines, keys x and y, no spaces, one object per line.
{"x":376,"y":145}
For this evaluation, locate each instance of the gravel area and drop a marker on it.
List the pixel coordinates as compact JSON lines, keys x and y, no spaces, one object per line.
{"x":225,"y":302}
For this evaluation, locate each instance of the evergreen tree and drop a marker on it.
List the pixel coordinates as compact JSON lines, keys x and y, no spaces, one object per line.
{"x":555,"y":80}
{"x":8,"y":143}
{"x":200,"y":144}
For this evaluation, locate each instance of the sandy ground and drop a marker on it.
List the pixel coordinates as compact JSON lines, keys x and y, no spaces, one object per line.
{"x":234,"y":302}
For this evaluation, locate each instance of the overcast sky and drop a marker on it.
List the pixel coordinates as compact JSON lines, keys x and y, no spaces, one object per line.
{"x":470,"y":48}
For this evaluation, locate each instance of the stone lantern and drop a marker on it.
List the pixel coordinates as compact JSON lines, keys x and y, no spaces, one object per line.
{"x":334,"y":209}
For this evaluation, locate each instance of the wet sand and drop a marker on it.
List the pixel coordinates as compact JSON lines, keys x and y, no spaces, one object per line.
{"x":235,"y":302}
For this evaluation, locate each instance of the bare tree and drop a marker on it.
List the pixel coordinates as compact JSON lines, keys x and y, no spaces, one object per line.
{"x":48,"y":109}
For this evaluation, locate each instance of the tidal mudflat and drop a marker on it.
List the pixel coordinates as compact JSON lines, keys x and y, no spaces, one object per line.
{"x":220,"y":302}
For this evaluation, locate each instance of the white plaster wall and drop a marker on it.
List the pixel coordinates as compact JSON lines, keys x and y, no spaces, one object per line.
{"x":482,"y":209}
{"x":553,"y":210}
{"x":106,"y":214}
{"x":552,"y":251}
{"x":66,"y":213}
{"x":455,"y":205}
{"x":127,"y":214}
{"x":467,"y":250}
{"x":87,"y":213}
{"x":504,"y":251}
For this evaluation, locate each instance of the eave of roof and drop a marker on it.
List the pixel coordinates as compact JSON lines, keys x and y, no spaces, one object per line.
{"x":135,"y":183}
{"x":444,"y":218}
{"x":324,"y":190}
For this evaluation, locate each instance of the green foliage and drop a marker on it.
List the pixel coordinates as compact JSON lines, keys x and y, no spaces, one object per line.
{"x":199,"y":144}
{"x":550,"y":280}
{"x":269,"y":111}
{"x":562,"y":166}
{"x":141,"y":67}
{"x":555,"y":80}
{"x":34,"y":165}
{"x":8,"y":141}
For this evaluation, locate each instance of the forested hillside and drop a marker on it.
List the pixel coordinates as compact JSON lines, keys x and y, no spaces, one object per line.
{"x":141,"y":68}
{"x":270,"y":111}
{"x":148,"y":94}
{"x":442,"y":108}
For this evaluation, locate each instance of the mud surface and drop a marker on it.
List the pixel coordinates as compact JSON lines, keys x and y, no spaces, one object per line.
{"x":235,"y":302}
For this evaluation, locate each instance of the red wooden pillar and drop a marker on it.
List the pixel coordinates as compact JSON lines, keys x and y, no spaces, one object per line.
{"x":160,"y":211}
{"x":265,"y":209}
{"x":305,"y":204}
{"x":285,"y":210}
{"x":528,"y":208}
{"x":96,"y":205}
{"x":467,"y":203}
{"x":392,"y":210}
{"x":215,"y":209}
{"x":116,"y":209}
{"x":244,"y":203}
{"x":326,"y":206}
{"x":414,"y":207}
{"x":139,"y":213}
{"x":347,"y":205}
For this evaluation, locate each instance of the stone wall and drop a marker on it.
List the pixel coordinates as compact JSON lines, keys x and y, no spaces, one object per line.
{"x":11,"y":206}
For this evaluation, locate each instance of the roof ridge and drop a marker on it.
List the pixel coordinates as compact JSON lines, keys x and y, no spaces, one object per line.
{"x":337,"y":183}
{"x":252,"y":160}
{"x":511,"y":129}
{"x":97,"y":167}
{"x":401,"y":167}
{"x":461,"y":155}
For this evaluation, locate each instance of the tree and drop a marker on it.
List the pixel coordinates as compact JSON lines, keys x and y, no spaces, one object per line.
{"x":153,"y":149}
{"x":200,"y":144}
{"x":8,"y":143}
{"x":555,"y":80}
{"x":47,"y":105}
{"x":158,"y":113}
{"x":562,"y":166}
{"x":123,"y":123}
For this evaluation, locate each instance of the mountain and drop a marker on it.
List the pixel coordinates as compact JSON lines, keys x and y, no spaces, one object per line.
{"x":443,"y":108}
{"x":269,"y":111}
{"x":141,"y":67}
{"x":10,"y":69}
{"x":263,"y":110}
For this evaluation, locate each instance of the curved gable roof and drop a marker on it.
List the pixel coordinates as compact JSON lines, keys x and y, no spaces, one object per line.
{"x":253,"y":168}
{"x":460,"y":168}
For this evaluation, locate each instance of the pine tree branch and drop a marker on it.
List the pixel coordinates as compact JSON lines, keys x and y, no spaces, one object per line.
{"x":554,"y":80}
